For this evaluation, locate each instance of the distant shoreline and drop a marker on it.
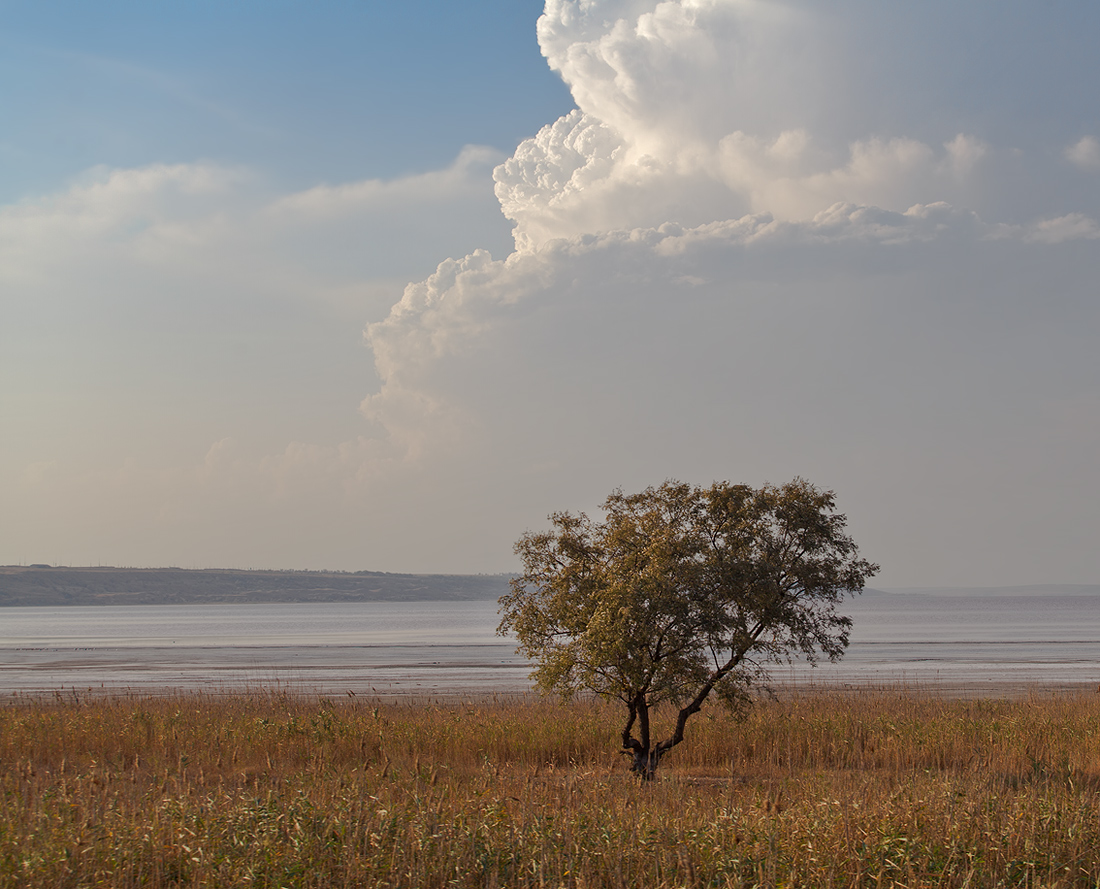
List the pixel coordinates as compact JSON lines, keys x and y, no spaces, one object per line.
{"x":42,"y":585}
{"x":50,"y":586}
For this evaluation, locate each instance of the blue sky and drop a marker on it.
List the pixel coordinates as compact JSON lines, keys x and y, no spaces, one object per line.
{"x":305,"y":92}
{"x":378,"y":285}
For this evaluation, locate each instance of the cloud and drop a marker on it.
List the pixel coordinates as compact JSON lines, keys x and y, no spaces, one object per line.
{"x":720,"y":271}
{"x":470,"y":310}
{"x":928,"y":366}
{"x":215,"y":223}
{"x":710,"y":282}
{"x":901,"y":357}
{"x":150,"y":312}
{"x":1085,"y":153}
{"x":694,"y":110}
{"x":669,"y":74}
{"x":1071,"y":227}
{"x":576,"y":176}
{"x":463,"y":179}
{"x":894,"y":174}
{"x":684,"y":115}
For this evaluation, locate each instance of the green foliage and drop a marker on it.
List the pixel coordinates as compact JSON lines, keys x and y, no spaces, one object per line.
{"x":681,"y":591}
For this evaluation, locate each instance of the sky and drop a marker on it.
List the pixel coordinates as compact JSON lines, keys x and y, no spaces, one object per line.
{"x":379,"y":286}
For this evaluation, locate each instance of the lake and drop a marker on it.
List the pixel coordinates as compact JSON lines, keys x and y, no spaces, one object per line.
{"x":963,"y":644}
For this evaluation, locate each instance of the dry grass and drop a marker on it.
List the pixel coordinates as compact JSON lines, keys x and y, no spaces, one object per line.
{"x":875,"y":789}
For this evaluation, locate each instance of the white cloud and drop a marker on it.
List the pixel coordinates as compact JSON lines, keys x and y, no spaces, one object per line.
{"x":964,"y":153}
{"x":692,"y":111}
{"x":217,"y":228}
{"x":463,"y":179}
{"x":668,"y":74}
{"x":695,"y":110}
{"x":577,"y":175}
{"x":1071,"y":227}
{"x":892,"y":174}
{"x":552,"y":189}
{"x":1085,"y":153}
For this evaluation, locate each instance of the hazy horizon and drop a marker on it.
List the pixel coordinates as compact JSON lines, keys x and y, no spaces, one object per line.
{"x":1037,"y":590}
{"x":380,"y":287}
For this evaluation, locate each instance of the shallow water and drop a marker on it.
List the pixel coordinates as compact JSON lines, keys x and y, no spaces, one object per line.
{"x":448,"y":648}
{"x":367,"y":648}
{"x":969,"y":641}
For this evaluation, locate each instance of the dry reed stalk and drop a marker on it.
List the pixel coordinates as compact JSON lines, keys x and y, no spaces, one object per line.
{"x":872,"y":789}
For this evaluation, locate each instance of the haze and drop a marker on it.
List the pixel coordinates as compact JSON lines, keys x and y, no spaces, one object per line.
{"x":379,"y":286}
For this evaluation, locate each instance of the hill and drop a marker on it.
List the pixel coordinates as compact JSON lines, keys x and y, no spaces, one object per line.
{"x":45,"y":585}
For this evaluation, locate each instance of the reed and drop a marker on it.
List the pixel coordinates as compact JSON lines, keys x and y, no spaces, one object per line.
{"x":879,"y":788}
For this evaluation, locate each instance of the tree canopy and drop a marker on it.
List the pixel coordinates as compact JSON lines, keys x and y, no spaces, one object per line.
{"x":681,"y":591}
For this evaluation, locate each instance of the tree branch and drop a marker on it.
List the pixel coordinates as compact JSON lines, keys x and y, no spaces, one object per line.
{"x":629,"y":744}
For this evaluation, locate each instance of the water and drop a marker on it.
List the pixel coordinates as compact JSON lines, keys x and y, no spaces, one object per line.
{"x":960,"y":643}
{"x":970,"y":642}
{"x":379,"y":648}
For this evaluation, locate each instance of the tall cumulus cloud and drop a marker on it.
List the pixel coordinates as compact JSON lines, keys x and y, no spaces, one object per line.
{"x":709,"y":282}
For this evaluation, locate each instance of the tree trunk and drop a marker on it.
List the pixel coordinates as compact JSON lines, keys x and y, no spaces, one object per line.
{"x":646,"y":755}
{"x":646,"y":762}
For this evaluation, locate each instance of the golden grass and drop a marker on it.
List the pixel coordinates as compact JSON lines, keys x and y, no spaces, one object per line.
{"x":875,"y":789}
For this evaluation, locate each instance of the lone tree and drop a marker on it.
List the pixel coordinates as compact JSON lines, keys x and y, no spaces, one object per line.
{"x":679,"y":592}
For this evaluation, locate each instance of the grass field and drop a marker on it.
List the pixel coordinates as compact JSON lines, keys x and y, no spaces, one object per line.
{"x":886,"y":788}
